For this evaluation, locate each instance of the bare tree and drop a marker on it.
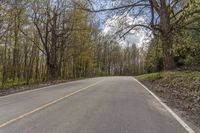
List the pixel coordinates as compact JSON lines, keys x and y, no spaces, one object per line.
{"x":51,"y":24}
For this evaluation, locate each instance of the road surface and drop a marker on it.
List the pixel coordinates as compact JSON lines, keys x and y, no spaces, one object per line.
{"x":96,"y":105}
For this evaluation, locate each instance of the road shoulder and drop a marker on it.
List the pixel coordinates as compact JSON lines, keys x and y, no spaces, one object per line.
{"x":183,"y":114}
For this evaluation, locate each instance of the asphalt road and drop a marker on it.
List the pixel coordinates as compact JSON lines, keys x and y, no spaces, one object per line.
{"x":96,"y":105}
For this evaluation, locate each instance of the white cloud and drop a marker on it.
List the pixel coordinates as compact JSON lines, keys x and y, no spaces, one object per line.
{"x":138,"y":35}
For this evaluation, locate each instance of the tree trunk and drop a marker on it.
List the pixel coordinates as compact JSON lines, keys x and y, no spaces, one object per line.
{"x":52,"y":71}
{"x":5,"y":64}
{"x":15,"y":49}
{"x":166,"y":36}
{"x":168,"y":60}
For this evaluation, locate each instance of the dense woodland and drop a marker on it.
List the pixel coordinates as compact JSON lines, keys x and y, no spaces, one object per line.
{"x":48,"y":40}
{"x":42,"y":40}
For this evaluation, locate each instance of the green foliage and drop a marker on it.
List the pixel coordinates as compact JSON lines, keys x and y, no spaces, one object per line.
{"x":154,"y":57}
{"x":187,"y":48}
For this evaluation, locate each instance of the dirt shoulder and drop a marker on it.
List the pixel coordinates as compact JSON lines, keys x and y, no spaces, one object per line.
{"x":179,"y":90}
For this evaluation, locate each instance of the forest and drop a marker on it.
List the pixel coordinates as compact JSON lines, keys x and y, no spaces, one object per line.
{"x":45,"y":40}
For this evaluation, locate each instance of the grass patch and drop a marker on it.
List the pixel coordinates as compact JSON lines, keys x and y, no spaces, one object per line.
{"x":151,"y":76}
{"x":186,"y":78}
{"x":12,"y":83}
{"x":185,"y":84}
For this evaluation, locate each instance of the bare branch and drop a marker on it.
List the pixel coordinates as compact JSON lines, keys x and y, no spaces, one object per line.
{"x":136,"y":4}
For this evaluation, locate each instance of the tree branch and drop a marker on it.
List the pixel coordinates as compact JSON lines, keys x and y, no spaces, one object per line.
{"x":136,"y":4}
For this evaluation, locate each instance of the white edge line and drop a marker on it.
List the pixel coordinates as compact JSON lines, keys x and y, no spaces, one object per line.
{"x":39,"y":88}
{"x":190,"y":130}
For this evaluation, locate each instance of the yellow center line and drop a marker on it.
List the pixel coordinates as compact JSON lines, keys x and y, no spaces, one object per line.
{"x":46,"y":105}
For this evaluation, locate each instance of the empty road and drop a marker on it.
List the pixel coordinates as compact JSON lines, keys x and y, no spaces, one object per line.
{"x":96,"y":105}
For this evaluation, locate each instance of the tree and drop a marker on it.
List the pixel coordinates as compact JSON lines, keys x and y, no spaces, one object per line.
{"x":50,"y":21}
{"x":165,"y":18}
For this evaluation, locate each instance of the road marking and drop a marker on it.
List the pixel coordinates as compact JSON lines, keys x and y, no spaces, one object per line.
{"x":47,"y":105}
{"x":189,"y":129}
{"x":40,"y":88}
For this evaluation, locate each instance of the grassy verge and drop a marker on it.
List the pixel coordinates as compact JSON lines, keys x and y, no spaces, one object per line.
{"x":181,"y":90}
{"x":19,"y":86}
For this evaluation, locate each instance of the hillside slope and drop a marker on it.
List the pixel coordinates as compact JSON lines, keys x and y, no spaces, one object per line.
{"x":180,"y":90}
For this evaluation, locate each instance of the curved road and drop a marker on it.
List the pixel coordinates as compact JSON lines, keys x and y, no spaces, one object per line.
{"x":96,"y":105}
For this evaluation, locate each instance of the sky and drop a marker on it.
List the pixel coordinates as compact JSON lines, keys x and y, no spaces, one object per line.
{"x":138,"y":36}
{"x":114,"y":22}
